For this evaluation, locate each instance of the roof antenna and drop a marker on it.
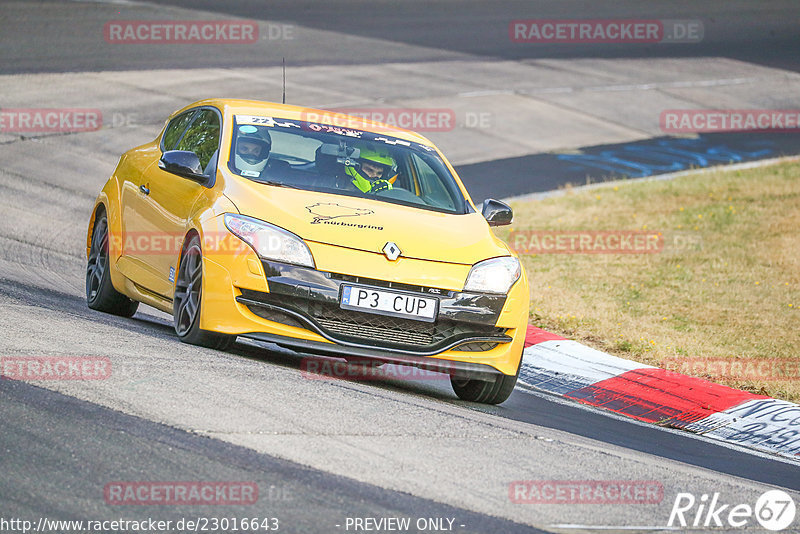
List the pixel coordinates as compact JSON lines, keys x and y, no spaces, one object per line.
{"x":284,"y":80}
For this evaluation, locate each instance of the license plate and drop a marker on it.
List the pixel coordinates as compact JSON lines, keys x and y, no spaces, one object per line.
{"x":371,"y":300}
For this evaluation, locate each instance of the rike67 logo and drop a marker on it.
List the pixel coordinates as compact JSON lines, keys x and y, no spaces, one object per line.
{"x":774,"y":510}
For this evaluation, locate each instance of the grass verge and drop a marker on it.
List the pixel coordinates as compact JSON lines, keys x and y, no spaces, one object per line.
{"x":718,"y":301}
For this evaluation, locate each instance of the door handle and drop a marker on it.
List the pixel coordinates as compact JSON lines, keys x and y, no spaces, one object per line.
{"x":144,"y":189}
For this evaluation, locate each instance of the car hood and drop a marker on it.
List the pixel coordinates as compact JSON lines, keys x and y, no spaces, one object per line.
{"x":368,"y":225}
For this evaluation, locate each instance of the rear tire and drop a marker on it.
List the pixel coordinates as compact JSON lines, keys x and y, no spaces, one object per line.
{"x":188,"y":300}
{"x":100,"y":292}
{"x":487,"y":392}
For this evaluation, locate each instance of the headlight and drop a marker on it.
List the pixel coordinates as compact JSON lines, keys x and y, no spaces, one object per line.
{"x":496,"y":275}
{"x":269,"y":242}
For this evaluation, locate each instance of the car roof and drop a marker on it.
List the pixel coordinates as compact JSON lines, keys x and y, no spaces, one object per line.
{"x":232,"y":106}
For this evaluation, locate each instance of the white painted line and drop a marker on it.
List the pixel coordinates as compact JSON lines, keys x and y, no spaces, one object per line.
{"x":668,"y":85}
{"x":612,"y":527}
{"x":611,"y":88}
{"x":488,"y":92}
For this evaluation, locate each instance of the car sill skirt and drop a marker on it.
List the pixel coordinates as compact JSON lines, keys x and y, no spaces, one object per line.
{"x":453,"y":368}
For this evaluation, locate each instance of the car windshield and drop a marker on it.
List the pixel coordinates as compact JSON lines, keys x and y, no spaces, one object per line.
{"x":345,"y":161}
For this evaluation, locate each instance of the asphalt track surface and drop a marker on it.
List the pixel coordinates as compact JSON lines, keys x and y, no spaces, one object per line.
{"x":764,"y":33}
{"x":41,"y":427}
{"x":343,"y":34}
{"x":331,"y":449}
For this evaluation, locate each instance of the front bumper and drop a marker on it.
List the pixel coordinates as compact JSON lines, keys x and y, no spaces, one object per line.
{"x":307,"y":298}
{"x":298,"y":307}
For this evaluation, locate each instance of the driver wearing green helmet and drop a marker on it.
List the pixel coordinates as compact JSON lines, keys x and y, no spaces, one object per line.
{"x":372,"y":171}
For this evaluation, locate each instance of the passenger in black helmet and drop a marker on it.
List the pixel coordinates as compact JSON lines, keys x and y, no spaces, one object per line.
{"x":252,"y":149}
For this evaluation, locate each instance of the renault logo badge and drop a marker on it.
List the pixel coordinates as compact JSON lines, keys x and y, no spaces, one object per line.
{"x":391,"y":251}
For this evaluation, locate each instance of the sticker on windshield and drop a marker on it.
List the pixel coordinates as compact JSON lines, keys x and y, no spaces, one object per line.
{"x":265,"y":121}
{"x":327,"y":128}
{"x":244,"y":121}
{"x":393,"y":141}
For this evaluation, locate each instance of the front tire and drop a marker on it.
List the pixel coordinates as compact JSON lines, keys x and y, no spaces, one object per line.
{"x":188,"y":300}
{"x":100,"y":292}
{"x":487,"y":392}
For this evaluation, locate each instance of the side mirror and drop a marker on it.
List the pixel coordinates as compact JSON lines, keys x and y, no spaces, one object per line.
{"x":496,"y":213}
{"x":182,"y":163}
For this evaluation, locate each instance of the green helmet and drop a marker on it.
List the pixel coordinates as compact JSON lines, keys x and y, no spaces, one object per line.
{"x":372,"y":170}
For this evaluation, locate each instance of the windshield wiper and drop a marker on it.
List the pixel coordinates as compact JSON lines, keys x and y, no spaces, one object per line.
{"x":279,"y":184}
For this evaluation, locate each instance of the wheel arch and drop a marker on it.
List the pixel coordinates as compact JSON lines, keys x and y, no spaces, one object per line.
{"x":99,"y":208}
{"x":187,"y":237}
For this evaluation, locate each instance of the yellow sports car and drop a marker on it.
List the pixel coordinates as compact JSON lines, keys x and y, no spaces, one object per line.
{"x":316,"y":231}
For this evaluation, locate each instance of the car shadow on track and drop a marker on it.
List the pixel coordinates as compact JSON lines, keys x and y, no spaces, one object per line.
{"x":320,"y":368}
{"x":158,"y":325}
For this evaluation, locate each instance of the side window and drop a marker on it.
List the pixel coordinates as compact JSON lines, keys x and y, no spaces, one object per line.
{"x":202,"y":137}
{"x":433,"y":190}
{"x":406,"y":174}
{"x":175,"y":128}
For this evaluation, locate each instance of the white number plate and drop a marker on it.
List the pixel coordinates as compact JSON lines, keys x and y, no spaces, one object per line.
{"x":407,"y":305}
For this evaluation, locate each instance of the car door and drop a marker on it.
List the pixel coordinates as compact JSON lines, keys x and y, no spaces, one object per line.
{"x":135,"y":244}
{"x":165,"y":206}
